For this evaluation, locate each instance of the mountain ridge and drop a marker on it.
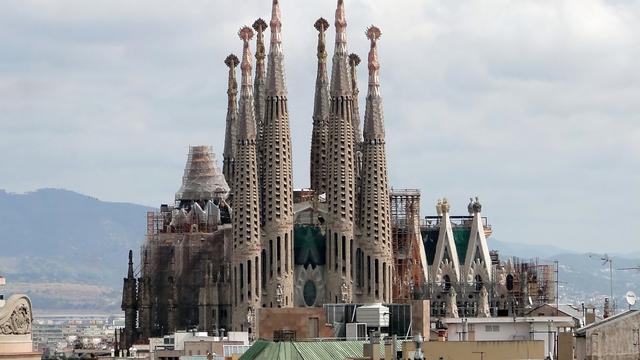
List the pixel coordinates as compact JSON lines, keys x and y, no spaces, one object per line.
{"x":80,"y":244}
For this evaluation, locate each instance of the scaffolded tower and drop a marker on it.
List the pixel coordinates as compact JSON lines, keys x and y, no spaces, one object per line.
{"x":277,"y":187}
{"x":375,"y":220}
{"x":246,"y":228}
{"x":410,"y":262}
{"x":320,"y":115}
{"x":340,"y":170}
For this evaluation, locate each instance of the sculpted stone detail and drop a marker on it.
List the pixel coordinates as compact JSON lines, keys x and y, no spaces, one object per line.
{"x":452,"y":304}
{"x":18,"y":320}
{"x":483,"y":305}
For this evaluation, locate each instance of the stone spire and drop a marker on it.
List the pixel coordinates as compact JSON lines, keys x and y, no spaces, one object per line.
{"x":375,"y":210}
{"x":277,"y":185}
{"x":354,"y":61}
{"x":246,"y":231}
{"x":320,"y":115}
{"x":232,"y":119}
{"x":260,"y":96}
{"x":130,"y":270}
{"x":340,"y":170}
{"x":260,"y":81}
{"x":129,"y":304}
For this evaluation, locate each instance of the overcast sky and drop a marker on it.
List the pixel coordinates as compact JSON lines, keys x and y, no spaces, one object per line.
{"x":533,"y":105}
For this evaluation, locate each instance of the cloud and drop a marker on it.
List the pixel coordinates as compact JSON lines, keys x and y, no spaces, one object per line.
{"x":533,"y":105}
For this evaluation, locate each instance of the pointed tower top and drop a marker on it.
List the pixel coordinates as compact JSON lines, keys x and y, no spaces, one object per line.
{"x":276,"y":84}
{"x":321,"y":25}
{"x":340,"y":76}
{"x":232,"y":61}
{"x":354,"y":59}
{"x":246,"y":34}
{"x":130,"y":272}
{"x":341,"y":20}
{"x":276,"y":22}
{"x":373,"y":34}
{"x":374,"y":120}
{"x":260,"y":25}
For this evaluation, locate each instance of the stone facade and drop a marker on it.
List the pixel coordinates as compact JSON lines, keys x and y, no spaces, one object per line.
{"x":16,"y":321}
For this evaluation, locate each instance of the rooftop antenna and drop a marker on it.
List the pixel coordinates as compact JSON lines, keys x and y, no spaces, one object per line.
{"x":606,"y":259}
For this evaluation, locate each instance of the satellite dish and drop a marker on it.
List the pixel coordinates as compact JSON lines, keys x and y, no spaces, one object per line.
{"x":631,"y":298}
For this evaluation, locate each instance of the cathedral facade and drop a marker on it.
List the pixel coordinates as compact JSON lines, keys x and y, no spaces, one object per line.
{"x":241,"y":238}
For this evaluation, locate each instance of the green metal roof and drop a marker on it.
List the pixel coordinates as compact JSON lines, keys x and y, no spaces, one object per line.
{"x":307,"y":350}
{"x":319,"y":350}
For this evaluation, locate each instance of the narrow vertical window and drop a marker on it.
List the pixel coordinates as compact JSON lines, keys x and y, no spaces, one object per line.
{"x":286,"y":253}
{"x":278,"y":254}
{"x":270,"y":259}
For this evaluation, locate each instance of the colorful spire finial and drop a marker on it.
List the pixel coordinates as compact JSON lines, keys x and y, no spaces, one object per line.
{"x":321,"y":25}
{"x":354,"y":59}
{"x":246,"y":34}
{"x":276,"y":22}
{"x":341,"y":19}
{"x":373,"y":34}
{"x":260,"y":26}
{"x":232,"y":61}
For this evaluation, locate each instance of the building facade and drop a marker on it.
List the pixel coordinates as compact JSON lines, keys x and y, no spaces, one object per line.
{"x":241,"y":238}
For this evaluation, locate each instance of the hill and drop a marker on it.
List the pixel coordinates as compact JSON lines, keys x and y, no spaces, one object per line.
{"x":69,"y":251}
{"x":74,"y":241}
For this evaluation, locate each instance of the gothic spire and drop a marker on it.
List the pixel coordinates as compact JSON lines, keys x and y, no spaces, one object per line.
{"x":320,"y":114}
{"x":260,"y":82}
{"x":374,"y":123}
{"x":354,"y":61}
{"x":374,"y":208}
{"x":246,"y":214}
{"x":276,"y":83}
{"x":130,"y":272}
{"x":247,"y":125}
{"x":232,"y":119}
{"x":340,"y":77}
{"x":276,"y":179}
{"x":341,"y":173}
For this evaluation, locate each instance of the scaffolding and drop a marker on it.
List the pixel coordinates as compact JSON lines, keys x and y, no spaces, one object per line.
{"x":409,"y":259}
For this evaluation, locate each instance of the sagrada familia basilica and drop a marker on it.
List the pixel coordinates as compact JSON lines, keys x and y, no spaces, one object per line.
{"x":241,"y":238}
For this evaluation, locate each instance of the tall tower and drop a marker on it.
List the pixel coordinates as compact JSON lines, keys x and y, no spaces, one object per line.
{"x":277,"y":189}
{"x":129,"y":305}
{"x":320,"y":115}
{"x":260,"y":81}
{"x":375,"y":212}
{"x":340,"y":170}
{"x":354,"y":61}
{"x":246,"y":228}
{"x":230,"y":138}
{"x":260,"y":99}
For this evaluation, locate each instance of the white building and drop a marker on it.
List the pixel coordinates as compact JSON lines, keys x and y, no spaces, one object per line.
{"x":543,"y":328}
